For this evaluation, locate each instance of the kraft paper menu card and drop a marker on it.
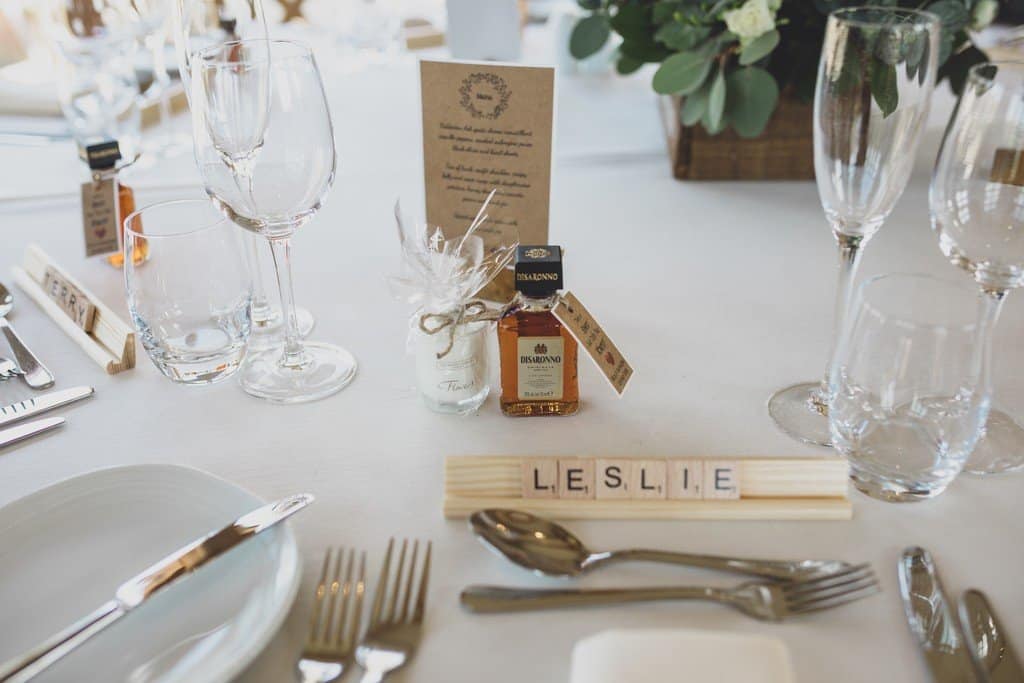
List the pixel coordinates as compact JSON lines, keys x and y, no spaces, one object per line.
{"x":488,"y":127}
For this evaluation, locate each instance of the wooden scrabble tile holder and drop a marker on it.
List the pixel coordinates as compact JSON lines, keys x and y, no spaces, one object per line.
{"x":111,"y":341}
{"x":766,"y":488}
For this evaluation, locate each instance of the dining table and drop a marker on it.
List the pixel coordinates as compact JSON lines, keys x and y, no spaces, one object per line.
{"x":718,"y":293}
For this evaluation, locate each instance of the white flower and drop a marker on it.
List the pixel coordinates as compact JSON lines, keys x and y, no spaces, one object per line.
{"x":984,"y":13}
{"x":752,"y":19}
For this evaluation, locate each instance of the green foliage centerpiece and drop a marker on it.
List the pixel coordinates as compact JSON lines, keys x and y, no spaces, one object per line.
{"x":729,"y":60}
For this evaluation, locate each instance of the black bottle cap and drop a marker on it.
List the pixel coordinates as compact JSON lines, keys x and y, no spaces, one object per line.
{"x":103,"y":155}
{"x":538,"y":270}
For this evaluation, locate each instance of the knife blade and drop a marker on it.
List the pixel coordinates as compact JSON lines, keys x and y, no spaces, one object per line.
{"x":932,"y":619}
{"x":22,"y":432}
{"x":136,"y":590}
{"x":987,"y":640}
{"x":48,"y":401}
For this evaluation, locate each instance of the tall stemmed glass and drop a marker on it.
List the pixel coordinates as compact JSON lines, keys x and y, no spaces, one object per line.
{"x":270,"y":175}
{"x":977,"y":206}
{"x":875,"y":82}
{"x":200,"y":24}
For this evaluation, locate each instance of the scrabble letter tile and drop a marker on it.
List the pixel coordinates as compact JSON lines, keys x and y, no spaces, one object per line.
{"x":722,"y":479}
{"x":612,"y":478}
{"x":685,"y":479}
{"x":540,"y":478}
{"x":649,"y":479}
{"x":576,"y":478}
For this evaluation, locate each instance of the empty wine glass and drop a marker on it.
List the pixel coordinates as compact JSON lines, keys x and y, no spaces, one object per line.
{"x":977,"y":207}
{"x":199,"y":24}
{"x":272,"y":189}
{"x":909,"y":388}
{"x":875,"y":82}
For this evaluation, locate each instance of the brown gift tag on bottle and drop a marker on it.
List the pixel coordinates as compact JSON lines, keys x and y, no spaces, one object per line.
{"x":100,"y":216}
{"x":593,"y":339}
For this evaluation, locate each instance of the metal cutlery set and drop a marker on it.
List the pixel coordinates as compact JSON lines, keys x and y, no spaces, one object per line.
{"x":965,"y":645}
{"x":396,"y":617}
{"x":31,"y":370}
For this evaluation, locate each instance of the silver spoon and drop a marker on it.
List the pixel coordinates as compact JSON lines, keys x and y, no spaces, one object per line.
{"x":549,"y":549}
{"x":34,"y":372}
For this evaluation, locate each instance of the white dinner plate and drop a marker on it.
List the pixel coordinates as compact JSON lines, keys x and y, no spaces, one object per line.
{"x":65,"y":549}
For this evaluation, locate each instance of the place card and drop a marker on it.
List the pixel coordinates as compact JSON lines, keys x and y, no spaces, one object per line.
{"x":488,"y":127}
{"x":70,"y":298}
{"x":609,"y":360}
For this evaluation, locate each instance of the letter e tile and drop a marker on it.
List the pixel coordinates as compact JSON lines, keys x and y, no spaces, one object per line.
{"x":722,"y":479}
{"x":576,"y":478}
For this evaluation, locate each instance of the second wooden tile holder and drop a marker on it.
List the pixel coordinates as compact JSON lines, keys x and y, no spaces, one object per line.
{"x":771,"y":489}
{"x":111,"y":343}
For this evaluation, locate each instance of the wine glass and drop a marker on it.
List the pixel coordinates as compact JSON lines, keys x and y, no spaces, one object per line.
{"x":200,"y":24}
{"x":977,"y":207}
{"x":271,"y":189}
{"x":875,"y":81}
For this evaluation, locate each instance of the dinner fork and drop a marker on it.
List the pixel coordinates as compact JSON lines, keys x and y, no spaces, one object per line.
{"x":333,"y":631}
{"x":9,"y":369}
{"x":394,"y":632}
{"x":761,"y":600}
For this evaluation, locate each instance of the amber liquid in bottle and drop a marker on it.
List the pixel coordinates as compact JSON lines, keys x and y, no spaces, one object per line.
{"x":538,"y":361}
{"x":125,"y":206}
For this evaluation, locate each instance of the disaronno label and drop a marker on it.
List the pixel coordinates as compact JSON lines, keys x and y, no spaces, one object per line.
{"x":540,"y":368}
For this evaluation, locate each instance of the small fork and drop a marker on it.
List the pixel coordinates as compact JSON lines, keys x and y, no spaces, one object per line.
{"x":764,"y":601}
{"x":9,"y":369}
{"x":333,"y":632}
{"x":394,"y":632}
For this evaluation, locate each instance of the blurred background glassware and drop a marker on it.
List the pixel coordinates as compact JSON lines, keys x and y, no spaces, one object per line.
{"x":96,"y":80}
{"x":198,"y":25}
{"x":977,"y":207}
{"x":153,"y":19}
{"x":910,"y":386}
{"x":273,"y":188}
{"x":190,"y":302}
{"x":875,"y":83}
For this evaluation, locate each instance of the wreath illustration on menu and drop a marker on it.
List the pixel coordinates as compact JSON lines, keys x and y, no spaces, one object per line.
{"x":484,"y":95}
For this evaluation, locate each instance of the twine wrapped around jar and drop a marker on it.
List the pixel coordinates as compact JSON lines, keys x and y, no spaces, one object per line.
{"x":472,"y":312}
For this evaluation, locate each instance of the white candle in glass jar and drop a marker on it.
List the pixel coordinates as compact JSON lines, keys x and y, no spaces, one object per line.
{"x":456,"y":383}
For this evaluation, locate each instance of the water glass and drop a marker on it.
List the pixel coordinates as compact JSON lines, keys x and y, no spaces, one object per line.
{"x":190,"y":301}
{"x":909,"y":398}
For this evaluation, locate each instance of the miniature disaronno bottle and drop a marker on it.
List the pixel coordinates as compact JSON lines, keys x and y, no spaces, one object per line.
{"x":538,"y":354}
{"x":102,"y":159}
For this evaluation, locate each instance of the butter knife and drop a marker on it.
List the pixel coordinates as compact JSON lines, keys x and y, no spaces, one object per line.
{"x":932,"y":619}
{"x":29,"y":429}
{"x":132,"y":593}
{"x":40,"y":404}
{"x":987,"y":641}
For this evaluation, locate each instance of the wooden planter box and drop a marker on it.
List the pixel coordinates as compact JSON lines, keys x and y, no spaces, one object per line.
{"x":785,"y":151}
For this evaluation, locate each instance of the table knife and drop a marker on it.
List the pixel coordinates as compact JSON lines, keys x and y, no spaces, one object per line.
{"x":987,"y":641}
{"x":48,"y":401}
{"x":22,"y":432}
{"x":136,"y":590}
{"x":932,"y":619}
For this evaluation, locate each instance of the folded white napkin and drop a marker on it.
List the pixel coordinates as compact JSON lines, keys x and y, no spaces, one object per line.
{"x":675,"y":655}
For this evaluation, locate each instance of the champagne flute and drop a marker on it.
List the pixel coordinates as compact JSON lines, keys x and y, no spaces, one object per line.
{"x":977,"y":207}
{"x":875,"y":81}
{"x":200,"y":24}
{"x":288,"y":161}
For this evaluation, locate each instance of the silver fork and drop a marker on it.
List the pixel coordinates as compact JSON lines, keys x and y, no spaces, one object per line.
{"x":333,"y":631}
{"x":394,"y":631}
{"x":764,"y":601}
{"x":9,"y":369}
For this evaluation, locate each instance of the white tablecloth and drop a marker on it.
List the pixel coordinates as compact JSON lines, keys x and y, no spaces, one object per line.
{"x":719,"y":293}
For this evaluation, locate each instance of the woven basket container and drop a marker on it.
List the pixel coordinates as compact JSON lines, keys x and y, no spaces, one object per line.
{"x":785,"y":151}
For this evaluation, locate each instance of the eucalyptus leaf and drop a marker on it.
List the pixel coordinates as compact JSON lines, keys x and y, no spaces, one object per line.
{"x":694,"y":106}
{"x":946,"y":42}
{"x":589,"y":36}
{"x":716,"y":101}
{"x":952,"y":13}
{"x":590,"y":4}
{"x":627,"y":65}
{"x":682,"y":73}
{"x":645,"y":51}
{"x":681,"y":37}
{"x":759,"y":48}
{"x":632,"y":22}
{"x":883,"y":86}
{"x":664,"y":10}
{"x":751,"y":96}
